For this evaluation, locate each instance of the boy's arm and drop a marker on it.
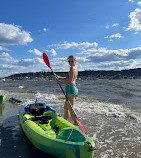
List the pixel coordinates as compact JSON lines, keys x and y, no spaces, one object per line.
{"x":60,"y":77}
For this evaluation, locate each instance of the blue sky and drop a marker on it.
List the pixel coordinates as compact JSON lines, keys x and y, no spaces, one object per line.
{"x":103,"y":34}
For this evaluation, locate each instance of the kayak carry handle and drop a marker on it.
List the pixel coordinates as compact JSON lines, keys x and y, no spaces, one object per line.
{"x":91,"y":147}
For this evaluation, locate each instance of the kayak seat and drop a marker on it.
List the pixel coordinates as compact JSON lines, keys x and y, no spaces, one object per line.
{"x":45,"y":127}
{"x":49,"y":131}
{"x":43,"y":121}
{"x":37,"y":109}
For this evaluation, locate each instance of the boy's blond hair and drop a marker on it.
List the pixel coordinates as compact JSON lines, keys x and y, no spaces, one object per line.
{"x":71,"y":56}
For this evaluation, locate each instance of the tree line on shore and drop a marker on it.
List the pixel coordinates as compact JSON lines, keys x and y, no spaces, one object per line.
{"x":99,"y":74}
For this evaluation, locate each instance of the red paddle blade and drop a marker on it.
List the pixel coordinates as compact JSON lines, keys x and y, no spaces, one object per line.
{"x":46,"y":60}
{"x":82,"y":128}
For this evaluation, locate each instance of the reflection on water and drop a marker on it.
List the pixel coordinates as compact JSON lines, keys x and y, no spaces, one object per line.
{"x":2,"y":109}
{"x":13,"y":142}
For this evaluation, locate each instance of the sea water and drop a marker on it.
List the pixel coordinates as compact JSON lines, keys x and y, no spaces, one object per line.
{"x":110,"y":111}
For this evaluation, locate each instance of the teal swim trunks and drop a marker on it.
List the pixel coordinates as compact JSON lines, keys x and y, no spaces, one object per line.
{"x":72,"y":89}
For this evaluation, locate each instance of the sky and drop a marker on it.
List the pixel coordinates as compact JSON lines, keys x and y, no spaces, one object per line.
{"x":102,"y":34}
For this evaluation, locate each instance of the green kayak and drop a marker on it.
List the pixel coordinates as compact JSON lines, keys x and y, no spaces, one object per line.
{"x":53,"y":134}
{"x":2,"y":98}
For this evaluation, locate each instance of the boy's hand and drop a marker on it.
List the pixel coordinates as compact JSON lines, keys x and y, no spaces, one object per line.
{"x":56,"y":76}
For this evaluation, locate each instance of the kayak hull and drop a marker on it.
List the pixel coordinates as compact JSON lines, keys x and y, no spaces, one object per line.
{"x":59,"y":144}
{"x":2,"y":98}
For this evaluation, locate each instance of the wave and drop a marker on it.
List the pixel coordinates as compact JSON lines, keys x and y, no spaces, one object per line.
{"x":22,"y":87}
{"x":107,"y":109}
{"x":126,"y":94}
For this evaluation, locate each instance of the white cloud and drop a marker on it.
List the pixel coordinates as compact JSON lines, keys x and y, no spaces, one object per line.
{"x":45,"y":29}
{"x":104,"y":55}
{"x":135,"y":33}
{"x":13,"y":35}
{"x":52,"y":52}
{"x":82,"y":59}
{"x":28,"y":62}
{"x":139,"y":3}
{"x":117,"y":35}
{"x":114,"y":65}
{"x":59,"y":64}
{"x":35,"y":51}
{"x":115,"y":25}
{"x":6,"y":58}
{"x":9,"y":65}
{"x":3,"y":48}
{"x":135,"y":20}
{"x":132,"y":1}
{"x":104,"y":59}
{"x":75,"y":45}
{"x":107,"y":26}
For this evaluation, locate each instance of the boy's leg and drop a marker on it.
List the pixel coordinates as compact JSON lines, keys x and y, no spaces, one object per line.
{"x":71,"y":99}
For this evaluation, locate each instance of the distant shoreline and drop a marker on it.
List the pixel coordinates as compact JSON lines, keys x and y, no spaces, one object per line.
{"x":99,"y":74}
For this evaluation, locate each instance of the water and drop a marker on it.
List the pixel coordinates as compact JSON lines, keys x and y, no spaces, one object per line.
{"x":110,"y":111}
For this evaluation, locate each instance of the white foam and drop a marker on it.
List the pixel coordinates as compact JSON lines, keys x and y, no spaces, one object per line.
{"x":103,"y":108}
{"x":134,"y":116}
{"x":3,"y":79}
{"x":22,"y":87}
{"x":108,"y":109}
{"x":46,"y":96}
{"x":38,"y":95}
{"x":26,"y":102}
